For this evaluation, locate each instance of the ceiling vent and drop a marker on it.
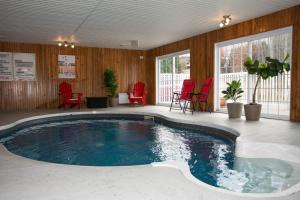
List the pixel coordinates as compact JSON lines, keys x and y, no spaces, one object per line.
{"x":131,"y":43}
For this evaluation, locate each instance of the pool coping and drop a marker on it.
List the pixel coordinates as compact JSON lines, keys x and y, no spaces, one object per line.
{"x":171,"y":164}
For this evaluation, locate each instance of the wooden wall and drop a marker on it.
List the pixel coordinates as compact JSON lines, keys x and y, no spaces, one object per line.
{"x":202,"y":51}
{"x":90,"y":64}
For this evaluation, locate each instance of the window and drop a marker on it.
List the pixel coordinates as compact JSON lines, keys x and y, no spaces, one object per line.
{"x":274,"y":93}
{"x":172,"y":70}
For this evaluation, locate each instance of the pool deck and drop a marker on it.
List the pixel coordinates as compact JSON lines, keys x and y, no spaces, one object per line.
{"x":22,"y":178}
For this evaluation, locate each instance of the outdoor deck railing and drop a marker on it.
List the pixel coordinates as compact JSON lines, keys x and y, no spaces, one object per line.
{"x":165,"y":85}
{"x":274,"y":91}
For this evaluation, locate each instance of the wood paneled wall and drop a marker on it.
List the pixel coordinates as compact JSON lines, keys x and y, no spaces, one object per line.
{"x":202,"y":51}
{"x":90,"y":65}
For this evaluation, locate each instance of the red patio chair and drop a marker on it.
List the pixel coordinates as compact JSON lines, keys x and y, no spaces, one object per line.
{"x":185,"y":96}
{"x":69,"y":98}
{"x":202,"y":97}
{"x":138,"y":94}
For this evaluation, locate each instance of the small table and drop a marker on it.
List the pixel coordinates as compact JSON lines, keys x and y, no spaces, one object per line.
{"x":96,"y":102}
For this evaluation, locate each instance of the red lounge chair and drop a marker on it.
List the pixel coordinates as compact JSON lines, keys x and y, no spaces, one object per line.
{"x":138,"y":94}
{"x":202,"y":97}
{"x":185,"y":96}
{"x":65,"y":89}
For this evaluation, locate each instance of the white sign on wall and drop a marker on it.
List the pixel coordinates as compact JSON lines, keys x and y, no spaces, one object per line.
{"x":66,"y":66}
{"x":6,"y":66}
{"x":24,"y":66}
{"x":17,"y":66}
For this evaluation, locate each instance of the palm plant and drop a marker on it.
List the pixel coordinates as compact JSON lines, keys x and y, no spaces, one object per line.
{"x":110,"y":82}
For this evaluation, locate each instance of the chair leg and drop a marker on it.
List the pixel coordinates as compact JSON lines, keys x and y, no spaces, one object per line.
{"x":181,"y":105}
{"x":208,"y":107}
{"x":185,"y":106}
{"x":193,"y":107}
{"x":200,"y":106}
{"x":171,"y":102}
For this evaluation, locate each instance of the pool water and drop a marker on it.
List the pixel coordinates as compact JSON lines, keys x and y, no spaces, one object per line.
{"x":124,"y":142}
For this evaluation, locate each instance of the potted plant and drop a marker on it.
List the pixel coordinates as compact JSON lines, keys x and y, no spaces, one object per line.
{"x":110,"y":82}
{"x":234,"y":92}
{"x":271,"y":68}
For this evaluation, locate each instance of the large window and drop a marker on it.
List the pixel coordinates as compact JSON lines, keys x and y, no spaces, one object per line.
{"x":274,"y":93}
{"x":172,"y":70}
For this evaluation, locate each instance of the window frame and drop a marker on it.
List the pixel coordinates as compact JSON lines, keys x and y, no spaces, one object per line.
{"x":157,"y":69}
{"x":249,"y":38}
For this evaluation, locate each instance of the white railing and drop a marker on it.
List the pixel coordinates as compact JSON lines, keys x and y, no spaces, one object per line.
{"x":273,"y":93}
{"x":167,"y":82}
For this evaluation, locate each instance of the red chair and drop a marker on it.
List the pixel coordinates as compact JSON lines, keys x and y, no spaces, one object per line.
{"x":202,"y":97}
{"x":138,"y":94}
{"x":185,"y":96}
{"x":65,"y":90}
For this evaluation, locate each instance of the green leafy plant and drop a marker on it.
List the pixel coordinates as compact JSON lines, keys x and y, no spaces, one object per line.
{"x":110,"y":81}
{"x":271,"y":68}
{"x":233,"y":91}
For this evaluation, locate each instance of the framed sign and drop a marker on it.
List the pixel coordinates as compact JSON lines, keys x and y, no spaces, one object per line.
{"x":66,"y":66}
{"x":6,"y":66}
{"x":24,"y":66}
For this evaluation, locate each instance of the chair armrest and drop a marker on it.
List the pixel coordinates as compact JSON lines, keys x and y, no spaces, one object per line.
{"x":79,"y":94}
{"x":177,"y":93}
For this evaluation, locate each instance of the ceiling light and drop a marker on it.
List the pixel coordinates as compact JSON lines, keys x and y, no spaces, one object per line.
{"x":66,"y":44}
{"x":226,"y":20}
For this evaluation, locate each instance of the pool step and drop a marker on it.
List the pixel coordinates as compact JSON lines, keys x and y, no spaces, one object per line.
{"x":147,"y":117}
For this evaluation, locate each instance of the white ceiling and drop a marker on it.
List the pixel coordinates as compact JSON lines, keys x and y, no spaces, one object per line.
{"x":110,"y":23}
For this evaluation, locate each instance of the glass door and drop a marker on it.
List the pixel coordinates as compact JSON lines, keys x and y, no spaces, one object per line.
{"x":273,"y":93}
{"x":172,"y":70}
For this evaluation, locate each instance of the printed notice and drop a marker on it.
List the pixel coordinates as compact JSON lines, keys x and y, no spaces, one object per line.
{"x":24,"y":66}
{"x":6,"y":67}
{"x":66,"y":66}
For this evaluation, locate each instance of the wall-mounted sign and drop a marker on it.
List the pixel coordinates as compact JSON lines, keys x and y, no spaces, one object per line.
{"x":66,"y":66}
{"x":24,"y":66}
{"x":17,"y":66}
{"x":6,"y":66}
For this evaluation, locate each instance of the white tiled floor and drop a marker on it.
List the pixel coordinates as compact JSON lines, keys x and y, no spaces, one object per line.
{"x":21,"y":178}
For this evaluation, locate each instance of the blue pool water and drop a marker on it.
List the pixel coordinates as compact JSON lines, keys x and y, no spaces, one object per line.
{"x":123,"y":142}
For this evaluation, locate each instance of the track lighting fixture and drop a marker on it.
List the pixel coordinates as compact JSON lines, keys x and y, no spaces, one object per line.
{"x":66,"y":44}
{"x":226,"y":20}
